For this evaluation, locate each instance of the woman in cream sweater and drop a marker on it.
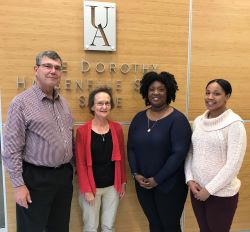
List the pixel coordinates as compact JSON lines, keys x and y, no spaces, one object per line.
{"x":214,"y":160}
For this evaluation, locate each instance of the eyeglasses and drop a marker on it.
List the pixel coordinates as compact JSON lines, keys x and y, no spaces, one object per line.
{"x":100,"y":104}
{"x":51,"y":66}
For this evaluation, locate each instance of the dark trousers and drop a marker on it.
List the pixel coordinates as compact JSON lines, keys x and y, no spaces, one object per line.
{"x":51,"y":194}
{"x":216,"y":213}
{"x":163,"y":210}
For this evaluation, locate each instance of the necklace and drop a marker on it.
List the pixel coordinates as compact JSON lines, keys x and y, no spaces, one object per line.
{"x":101,"y":129}
{"x":161,"y":116}
{"x":150,"y":128}
{"x":103,"y":137}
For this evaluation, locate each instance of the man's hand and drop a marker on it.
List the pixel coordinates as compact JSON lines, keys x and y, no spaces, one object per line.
{"x":22,"y":196}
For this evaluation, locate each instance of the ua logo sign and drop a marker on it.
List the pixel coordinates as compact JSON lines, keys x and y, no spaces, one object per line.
{"x":99,"y":26}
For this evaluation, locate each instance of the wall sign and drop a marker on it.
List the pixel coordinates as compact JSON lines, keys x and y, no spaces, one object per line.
{"x":115,"y":72}
{"x":99,"y":26}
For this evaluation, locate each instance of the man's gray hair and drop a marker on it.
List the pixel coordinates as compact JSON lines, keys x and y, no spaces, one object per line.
{"x":50,"y":54}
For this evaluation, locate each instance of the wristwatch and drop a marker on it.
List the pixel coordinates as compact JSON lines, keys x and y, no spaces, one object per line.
{"x":134,"y":174}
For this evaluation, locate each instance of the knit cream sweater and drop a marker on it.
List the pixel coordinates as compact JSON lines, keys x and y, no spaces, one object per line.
{"x":217,"y":152}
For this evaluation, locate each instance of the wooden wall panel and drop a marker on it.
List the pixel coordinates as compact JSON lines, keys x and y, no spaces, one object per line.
{"x":220,"y":48}
{"x":241,"y":221}
{"x":148,"y":32}
{"x":152,"y":32}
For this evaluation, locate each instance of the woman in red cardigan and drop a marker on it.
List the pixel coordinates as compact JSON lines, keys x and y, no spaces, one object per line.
{"x":100,"y":162}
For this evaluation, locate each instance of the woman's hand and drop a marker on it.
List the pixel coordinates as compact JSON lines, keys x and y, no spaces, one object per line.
{"x":123,"y":191}
{"x":142,"y":181}
{"x":202,"y":195}
{"x":147,"y":183}
{"x":151,"y":183}
{"x":194,"y":187}
{"x":89,"y":197}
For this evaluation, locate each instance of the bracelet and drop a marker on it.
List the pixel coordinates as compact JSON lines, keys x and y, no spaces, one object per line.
{"x":134,"y":174}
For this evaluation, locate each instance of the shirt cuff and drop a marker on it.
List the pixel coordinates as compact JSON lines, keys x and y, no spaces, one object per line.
{"x":210,"y":189}
{"x":189,"y":177}
{"x":17,"y":181}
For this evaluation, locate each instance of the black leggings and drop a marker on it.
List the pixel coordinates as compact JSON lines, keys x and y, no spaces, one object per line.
{"x":163,"y":210}
{"x":216,"y":213}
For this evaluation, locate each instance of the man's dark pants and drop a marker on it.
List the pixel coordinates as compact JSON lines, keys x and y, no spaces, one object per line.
{"x":51,"y":194}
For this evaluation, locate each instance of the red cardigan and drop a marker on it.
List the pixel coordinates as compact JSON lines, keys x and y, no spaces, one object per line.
{"x":84,"y":159}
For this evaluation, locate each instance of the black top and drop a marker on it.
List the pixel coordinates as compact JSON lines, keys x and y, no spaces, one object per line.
{"x":161,"y":151}
{"x":103,"y":166}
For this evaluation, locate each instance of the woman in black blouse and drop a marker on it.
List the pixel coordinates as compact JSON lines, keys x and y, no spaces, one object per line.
{"x":100,"y":163}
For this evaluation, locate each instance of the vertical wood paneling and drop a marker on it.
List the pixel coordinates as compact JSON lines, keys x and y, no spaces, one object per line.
{"x":148,"y":32}
{"x":220,"y":48}
{"x":152,"y":32}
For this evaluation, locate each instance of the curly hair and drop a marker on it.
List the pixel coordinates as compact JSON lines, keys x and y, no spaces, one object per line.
{"x":104,"y":89}
{"x":165,"y":78}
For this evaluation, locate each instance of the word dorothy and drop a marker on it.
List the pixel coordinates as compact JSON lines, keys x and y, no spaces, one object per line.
{"x":113,"y":68}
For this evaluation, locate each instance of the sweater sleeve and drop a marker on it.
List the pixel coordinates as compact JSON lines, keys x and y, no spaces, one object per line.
{"x":130,"y":148}
{"x":236,"y":147}
{"x":180,"y":135}
{"x":188,"y":163}
{"x":81,"y":164}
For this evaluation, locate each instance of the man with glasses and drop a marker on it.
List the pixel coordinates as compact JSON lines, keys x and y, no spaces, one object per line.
{"x":38,"y":151}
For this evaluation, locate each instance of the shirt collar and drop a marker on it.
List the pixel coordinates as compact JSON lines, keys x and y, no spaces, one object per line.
{"x":41,"y":95}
